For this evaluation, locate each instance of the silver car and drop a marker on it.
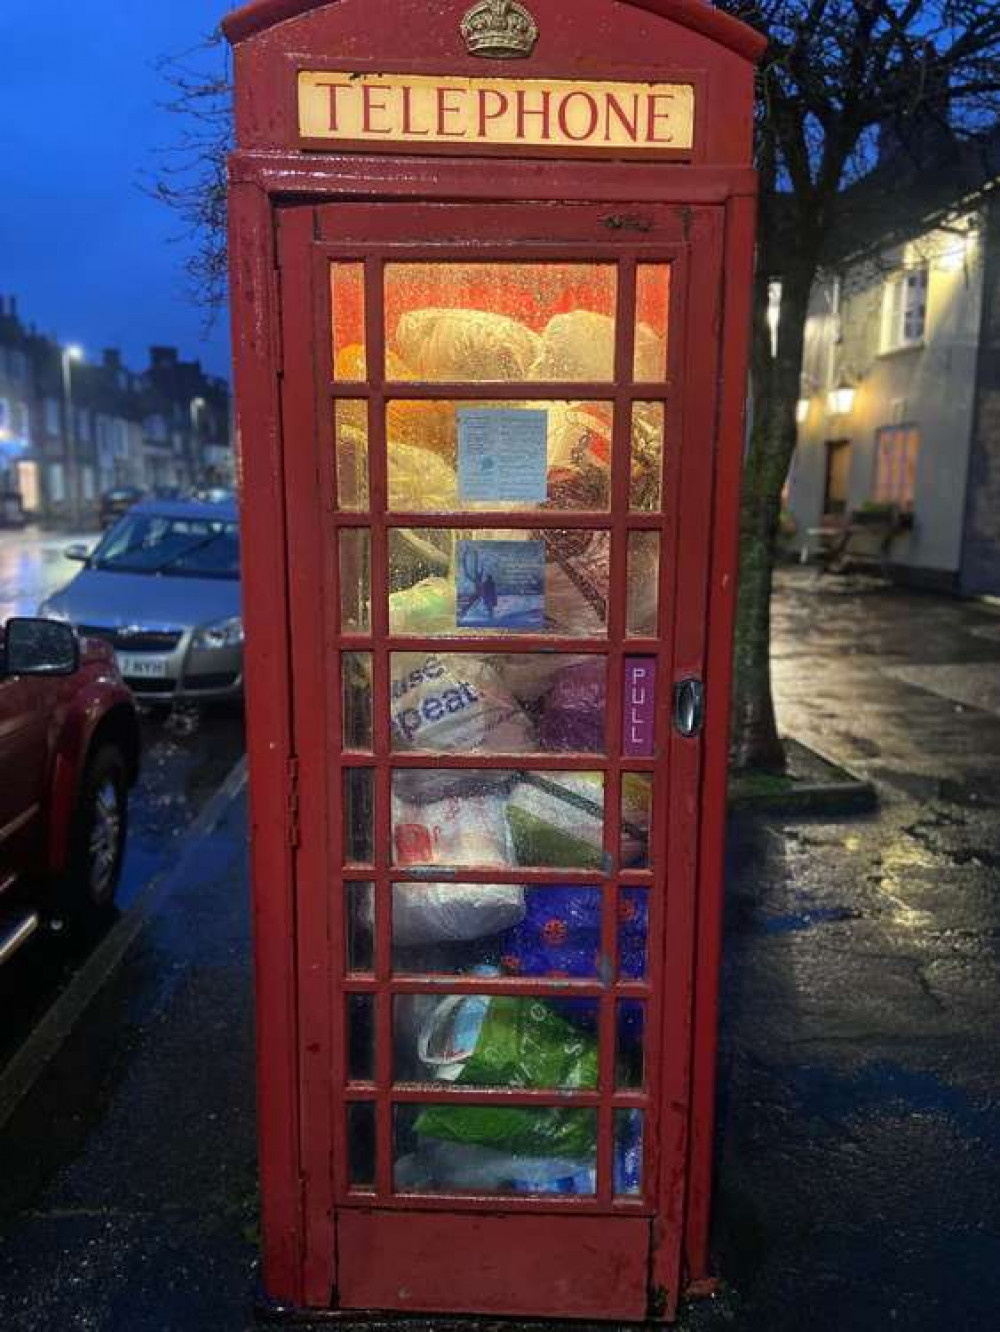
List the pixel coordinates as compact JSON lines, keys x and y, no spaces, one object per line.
{"x":163,"y":588}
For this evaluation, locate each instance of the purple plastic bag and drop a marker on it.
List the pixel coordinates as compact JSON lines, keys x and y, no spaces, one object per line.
{"x":575,"y":708}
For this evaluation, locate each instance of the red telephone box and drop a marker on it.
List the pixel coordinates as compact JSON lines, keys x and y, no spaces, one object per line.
{"x":491,"y":273}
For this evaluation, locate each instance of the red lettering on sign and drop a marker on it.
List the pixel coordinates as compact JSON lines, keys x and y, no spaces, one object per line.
{"x":445,"y":111}
{"x":371,"y":107}
{"x":618,"y":112}
{"x":335,"y":88}
{"x":502,"y":105}
{"x":564,"y":120}
{"x":656,"y":116}
{"x":543,"y":113}
{"x":408,"y":125}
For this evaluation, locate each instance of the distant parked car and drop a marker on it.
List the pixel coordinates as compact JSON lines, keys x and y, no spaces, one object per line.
{"x":115,"y":504}
{"x":69,"y":753}
{"x":163,"y":589}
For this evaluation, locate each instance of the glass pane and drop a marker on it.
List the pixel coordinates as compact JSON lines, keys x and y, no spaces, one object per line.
{"x":629,"y":1139}
{"x":360,"y":928}
{"x":637,"y":819}
{"x":456,"y":929}
{"x":351,"y":430}
{"x":482,"y":323}
{"x":347,"y":290}
{"x":643,"y":584}
{"x":652,"y":322}
{"x":458,"y":1148}
{"x":355,"y":580}
{"x":630,"y":1056}
{"x":463,"y":817}
{"x":356,"y":681}
{"x":465,"y":703}
{"x":473,"y":1040}
{"x":361,"y":1037}
{"x":633,"y":934}
{"x":648,"y":435}
{"x":449,"y":582}
{"x":361,"y":1144}
{"x":359,"y":816}
{"x":446,"y":456}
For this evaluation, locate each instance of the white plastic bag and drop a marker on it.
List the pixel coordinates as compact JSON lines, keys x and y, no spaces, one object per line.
{"x":466,"y":829}
{"x":455,"y":703}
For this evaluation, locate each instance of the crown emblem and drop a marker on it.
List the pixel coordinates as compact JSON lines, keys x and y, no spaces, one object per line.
{"x":502,"y":29}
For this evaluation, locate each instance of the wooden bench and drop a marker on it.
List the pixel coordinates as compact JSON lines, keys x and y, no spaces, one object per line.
{"x":866,"y":536}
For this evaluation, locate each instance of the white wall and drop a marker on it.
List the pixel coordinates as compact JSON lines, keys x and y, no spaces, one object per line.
{"x":931,"y":387}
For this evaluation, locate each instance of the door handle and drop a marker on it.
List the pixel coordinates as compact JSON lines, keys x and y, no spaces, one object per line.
{"x":689,"y":708}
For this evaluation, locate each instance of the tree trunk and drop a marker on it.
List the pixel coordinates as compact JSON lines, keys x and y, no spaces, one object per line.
{"x":776,"y":388}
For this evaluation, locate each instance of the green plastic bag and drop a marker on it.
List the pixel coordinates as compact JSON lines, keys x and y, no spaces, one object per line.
{"x":523,"y":1044}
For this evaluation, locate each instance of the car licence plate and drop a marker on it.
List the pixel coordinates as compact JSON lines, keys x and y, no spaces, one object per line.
{"x":142,"y":668}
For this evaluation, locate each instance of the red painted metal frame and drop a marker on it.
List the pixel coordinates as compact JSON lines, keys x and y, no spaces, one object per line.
{"x":297,"y":830}
{"x":719,"y":27}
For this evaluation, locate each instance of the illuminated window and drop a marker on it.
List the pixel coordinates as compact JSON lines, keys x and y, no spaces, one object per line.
{"x":896,"y":453}
{"x":904,"y":309}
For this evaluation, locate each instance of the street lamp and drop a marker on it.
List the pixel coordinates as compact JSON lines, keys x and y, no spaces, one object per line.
{"x":72,"y":353}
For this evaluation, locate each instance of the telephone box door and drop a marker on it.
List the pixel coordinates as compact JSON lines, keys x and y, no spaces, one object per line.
{"x":499,"y":429}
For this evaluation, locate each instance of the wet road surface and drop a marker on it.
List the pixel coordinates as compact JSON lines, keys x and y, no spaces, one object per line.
{"x":180,"y":773}
{"x":859,"y":1128}
{"x":33,"y":566}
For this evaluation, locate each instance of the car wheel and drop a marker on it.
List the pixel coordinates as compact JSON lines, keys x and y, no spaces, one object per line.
{"x":97,"y":843}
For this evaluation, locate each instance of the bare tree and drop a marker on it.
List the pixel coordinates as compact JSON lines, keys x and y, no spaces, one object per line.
{"x":842,"y":81}
{"x":191,"y":179}
{"x":839,"y":78}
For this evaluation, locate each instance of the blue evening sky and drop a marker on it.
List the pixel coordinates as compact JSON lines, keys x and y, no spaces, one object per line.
{"x":89,"y":257}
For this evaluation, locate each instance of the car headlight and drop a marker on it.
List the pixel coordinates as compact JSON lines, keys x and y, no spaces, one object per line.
{"x":223,"y":634}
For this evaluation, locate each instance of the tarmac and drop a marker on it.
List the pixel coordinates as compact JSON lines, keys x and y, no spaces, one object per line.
{"x":859,"y":1132}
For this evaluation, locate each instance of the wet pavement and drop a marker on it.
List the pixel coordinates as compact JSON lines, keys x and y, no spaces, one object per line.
{"x":859,"y":1135}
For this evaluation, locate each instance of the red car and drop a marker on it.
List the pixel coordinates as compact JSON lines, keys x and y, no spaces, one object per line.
{"x":69,"y":754}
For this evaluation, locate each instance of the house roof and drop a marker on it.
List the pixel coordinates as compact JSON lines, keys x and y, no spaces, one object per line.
{"x":697,"y":15}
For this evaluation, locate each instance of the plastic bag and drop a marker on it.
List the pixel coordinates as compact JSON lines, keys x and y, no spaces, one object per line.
{"x":455,"y":703}
{"x":576,"y":582}
{"x":580,"y":345}
{"x":471,"y":830}
{"x":457,"y":1167}
{"x":560,"y":935}
{"x":557,"y":819}
{"x":507,"y":1042}
{"x":425,"y":609}
{"x":522,"y":1043}
{"x":575,"y":709}
{"x":455,"y":345}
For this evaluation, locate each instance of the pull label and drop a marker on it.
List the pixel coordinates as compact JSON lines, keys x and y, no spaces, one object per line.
{"x":640,"y":707}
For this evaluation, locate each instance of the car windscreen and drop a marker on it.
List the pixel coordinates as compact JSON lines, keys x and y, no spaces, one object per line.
{"x":178,"y":547}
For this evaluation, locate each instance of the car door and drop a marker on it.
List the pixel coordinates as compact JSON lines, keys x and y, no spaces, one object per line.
{"x":24,"y":712}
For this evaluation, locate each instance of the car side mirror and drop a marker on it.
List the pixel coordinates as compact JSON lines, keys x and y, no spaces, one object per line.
{"x":79,"y":553}
{"x":40,"y":647}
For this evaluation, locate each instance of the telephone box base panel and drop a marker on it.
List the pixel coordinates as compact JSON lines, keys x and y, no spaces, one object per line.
{"x":537,"y":1267}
